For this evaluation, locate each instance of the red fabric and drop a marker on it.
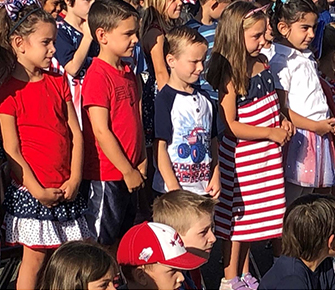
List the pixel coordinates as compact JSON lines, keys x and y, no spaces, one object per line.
{"x":196,"y":278}
{"x":116,"y":90}
{"x":41,"y":118}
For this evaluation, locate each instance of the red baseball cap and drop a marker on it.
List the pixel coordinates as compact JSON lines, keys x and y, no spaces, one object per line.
{"x":150,"y":243}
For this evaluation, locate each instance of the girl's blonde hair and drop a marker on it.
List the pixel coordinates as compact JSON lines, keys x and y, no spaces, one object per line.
{"x":229,"y":54}
{"x":155,"y":13}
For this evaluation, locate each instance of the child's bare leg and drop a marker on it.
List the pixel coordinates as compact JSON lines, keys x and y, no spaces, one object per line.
{"x":230,"y":258}
{"x":32,"y":262}
{"x":244,"y":258}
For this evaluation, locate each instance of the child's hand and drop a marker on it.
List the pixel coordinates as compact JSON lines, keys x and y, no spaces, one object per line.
{"x":86,"y":30}
{"x":288,"y":126}
{"x":214,"y":186}
{"x":279,"y":135}
{"x":50,"y":197}
{"x":133,"y":180}
{"x":142,"y":168}
{"x":70,"y":189}
{"x":325,"y":126}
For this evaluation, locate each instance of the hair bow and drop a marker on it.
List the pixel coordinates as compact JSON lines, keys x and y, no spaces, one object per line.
{"x":274,"y":4}
{"x":13,"y":7}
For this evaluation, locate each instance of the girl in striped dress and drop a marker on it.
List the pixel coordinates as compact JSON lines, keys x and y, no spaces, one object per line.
{"x":252,"y":201}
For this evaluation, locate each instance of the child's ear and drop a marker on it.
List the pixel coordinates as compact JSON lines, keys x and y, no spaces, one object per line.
{"x":140,"y":276}
{"x":18,"y":44}
{"x":283,"y":28}
{"x":331,"y":243}
{"x":67,"y":2}
{"x":170,"y":60}
{"x":100,"y":33}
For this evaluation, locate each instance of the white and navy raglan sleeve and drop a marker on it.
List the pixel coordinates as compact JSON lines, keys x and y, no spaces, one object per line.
{"x":163,"y":106}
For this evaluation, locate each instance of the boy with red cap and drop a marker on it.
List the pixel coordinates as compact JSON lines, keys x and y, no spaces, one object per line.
{"x":152,"y":255}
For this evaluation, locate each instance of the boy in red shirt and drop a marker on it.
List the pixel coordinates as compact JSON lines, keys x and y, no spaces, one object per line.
{"x":115,"y":161}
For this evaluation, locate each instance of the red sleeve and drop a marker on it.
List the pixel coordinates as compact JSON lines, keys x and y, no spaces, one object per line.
{"x":66,"y":89}
{"x":7,"y":102}
{"x":97,"y":90}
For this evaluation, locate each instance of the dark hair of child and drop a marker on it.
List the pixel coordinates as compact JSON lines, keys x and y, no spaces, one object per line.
{"x":308,"y":223}
{"x":107,"y":14}
{"x":75,"y":264}
{"x":24,"y":25}
{"x":290,"y":12}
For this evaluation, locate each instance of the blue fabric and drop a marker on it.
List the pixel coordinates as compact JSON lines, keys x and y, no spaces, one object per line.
{"x":67,"y":43}
{"x":324,"y":19}
{"x":20,"y":203}
{"x":137,"y":61}
{"x":259,"y":85}
{"x":112,"y":209}
{"x":292,"y":273}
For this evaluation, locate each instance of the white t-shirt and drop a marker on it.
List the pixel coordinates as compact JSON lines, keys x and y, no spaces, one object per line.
{"x":296,"y":73}
{"x":269,"y":52}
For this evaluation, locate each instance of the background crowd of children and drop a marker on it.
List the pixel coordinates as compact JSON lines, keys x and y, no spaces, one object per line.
{"x":151,"y":129}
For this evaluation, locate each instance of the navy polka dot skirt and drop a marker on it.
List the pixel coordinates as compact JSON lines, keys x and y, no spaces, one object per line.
{"x":30,"y":223}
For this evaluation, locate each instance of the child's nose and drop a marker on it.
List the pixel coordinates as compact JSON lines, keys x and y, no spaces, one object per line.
{"x":262,"y":40}
{"x":180,"y":277}
{"x":311,"y":32}
{"x":135,"y":39}
{"x":200,"y":66}
{"x":211,"y":238}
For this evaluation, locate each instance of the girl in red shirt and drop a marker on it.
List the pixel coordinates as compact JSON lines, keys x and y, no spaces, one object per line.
{"x":42,"y":140}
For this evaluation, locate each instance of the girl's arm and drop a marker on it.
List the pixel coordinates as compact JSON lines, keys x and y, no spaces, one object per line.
{"x":71,"y":186}
{"x":46,"y":196}
{"x":244,"y":131}
{"x":74,"y":66}
{"x":319,"y":127}
{"x":155,"y":45}
{"x":165,"y":165}
{"x":214,"y":185}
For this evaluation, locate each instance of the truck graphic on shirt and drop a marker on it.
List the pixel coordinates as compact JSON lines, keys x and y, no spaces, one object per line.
{"x":197,"y":144}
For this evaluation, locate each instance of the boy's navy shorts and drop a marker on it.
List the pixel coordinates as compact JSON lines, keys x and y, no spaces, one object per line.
{"x":111,"y":209}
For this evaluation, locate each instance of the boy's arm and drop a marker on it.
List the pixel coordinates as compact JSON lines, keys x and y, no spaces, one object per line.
{"x":74,"y":66}
{"x":71,"y":186}
{"x":165,"y":166}
{"x":46,"y":196}
{"x":99,"y":117}
{"x":214,"y":185}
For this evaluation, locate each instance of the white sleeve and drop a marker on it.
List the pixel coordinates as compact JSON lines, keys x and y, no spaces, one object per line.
{"x":280,"y":72}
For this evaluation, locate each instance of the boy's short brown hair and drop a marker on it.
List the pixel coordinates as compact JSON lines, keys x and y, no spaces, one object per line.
{"x":308,"y":223}
{"x":178,"y":208}
{"x":107,"y":14}
{"x":178,"y":37}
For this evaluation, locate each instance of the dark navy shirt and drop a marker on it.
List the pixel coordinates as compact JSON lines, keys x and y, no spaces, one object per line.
{"x":292,"y":273}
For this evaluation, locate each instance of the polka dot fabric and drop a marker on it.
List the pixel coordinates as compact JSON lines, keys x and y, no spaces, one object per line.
{"x":35,"y":233}
{"x":20,"y":203}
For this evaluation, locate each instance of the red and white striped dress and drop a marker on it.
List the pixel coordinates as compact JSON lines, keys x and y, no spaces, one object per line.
{"x":252,"y":201}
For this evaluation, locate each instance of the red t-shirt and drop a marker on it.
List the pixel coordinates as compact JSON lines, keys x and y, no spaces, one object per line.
{"x":116,"y":90}
{"x":41,"y":119}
